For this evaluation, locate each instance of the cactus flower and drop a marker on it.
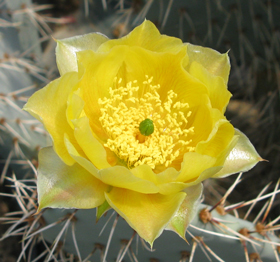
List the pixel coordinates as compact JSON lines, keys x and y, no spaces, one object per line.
{"x":137,"y":123}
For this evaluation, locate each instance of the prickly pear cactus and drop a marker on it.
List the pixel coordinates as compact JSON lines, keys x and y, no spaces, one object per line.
{"x":70,"y":236}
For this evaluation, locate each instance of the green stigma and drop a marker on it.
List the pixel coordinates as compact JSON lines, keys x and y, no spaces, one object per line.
{"x":146,"y":127}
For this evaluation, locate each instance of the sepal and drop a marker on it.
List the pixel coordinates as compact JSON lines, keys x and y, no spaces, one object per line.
{"x":67,"y":48}
{"x":186,"y":211}
{"x":241,"y":158}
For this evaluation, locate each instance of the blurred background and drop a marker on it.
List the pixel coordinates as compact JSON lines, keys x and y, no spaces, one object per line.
{"x":248,"y":30}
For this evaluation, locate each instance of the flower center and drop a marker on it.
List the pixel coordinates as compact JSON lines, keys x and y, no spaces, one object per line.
{"x":124,"y":111}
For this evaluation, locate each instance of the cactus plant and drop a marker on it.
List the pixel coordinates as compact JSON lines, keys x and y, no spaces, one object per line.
{"x":14,"y":123}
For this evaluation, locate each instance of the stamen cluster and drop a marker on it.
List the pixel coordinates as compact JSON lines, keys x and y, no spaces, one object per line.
{"x":128,"y":106}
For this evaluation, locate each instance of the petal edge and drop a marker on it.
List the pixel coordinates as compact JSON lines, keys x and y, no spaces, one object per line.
{"x":148,"y":214}
{"x":63,"y":186}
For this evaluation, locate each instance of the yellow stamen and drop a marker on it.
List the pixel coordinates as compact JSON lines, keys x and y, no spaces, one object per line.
{"x":126,"y":108}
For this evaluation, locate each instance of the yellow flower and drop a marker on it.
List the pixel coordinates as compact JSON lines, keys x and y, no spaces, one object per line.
{"x":137,"y":124}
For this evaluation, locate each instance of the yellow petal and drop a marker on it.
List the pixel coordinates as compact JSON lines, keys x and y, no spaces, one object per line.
{"x":167,"y":182}
{"x":197,"y":167}
{"x":208,"y":173}
{"x":118,"y":176}
{"x":140,"y":62}
{"x":171,"y":188}
{"x":145,"y":172}
{"x":217,"y":88}
{"x":93,"y":149}
{"x":49,"y":106}
{"x":148,"y":37}
{"x":193,"y":165}
{"x":218,"y":140}
{"x":168,"y":175}
{"x":66,"y":50}
{"x":63,"y":186}
{"x":75,"y":111}
{"x":216,"y":63}
{"x":202,"y":121}
{"x":99,"y":71}
{"x":147,"y":214}
{"x":187,"y":210}
{"x":75,"y":106}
